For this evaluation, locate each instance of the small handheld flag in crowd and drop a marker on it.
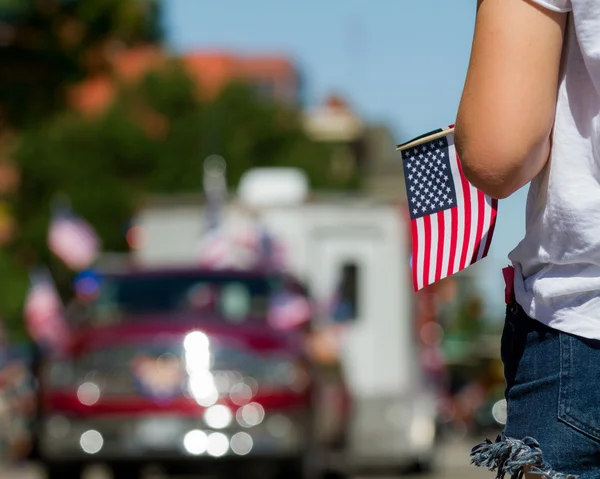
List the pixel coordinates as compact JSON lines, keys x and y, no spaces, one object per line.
{"x":230,"y":242}
{"x":44,"y":312}
{"x":288,"y":310}
{"x":72,"y":239}
{"x":241,"y":244}
{"x":452,"y":222}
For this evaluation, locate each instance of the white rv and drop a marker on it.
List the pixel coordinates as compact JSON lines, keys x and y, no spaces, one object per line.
{"x":394,"y":413}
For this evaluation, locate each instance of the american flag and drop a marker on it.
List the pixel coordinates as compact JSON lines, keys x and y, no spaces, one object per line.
{"x":73,"y":240}
{"x":288,"y":310}
{"x":44,"y":313}
{"x":452,"y":221}
{"x":215,"y":250}
{"x":241,"y":246}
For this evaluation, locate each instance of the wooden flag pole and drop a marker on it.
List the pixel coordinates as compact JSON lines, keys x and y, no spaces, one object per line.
{"x":425,"y":139}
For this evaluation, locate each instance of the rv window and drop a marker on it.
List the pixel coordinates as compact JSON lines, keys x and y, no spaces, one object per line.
{"x":346,"y":308}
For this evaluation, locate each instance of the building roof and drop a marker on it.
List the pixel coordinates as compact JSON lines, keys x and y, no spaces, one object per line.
{"x":211,"y":69}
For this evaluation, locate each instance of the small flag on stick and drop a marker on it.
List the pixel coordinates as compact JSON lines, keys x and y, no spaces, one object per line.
{"x":44,"y":313}
{"x":452,"y":222}
{"x":71,"y":238}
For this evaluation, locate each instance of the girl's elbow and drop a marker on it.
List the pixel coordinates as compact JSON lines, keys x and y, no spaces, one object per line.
{"x":501,"y":162}
{"x":489,"y":172}
{"x":490,"y":182}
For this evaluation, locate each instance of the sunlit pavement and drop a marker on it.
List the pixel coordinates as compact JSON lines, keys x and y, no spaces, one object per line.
{"x":453,"y":463}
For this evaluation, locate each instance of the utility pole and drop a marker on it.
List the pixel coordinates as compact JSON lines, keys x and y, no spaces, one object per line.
{"x":214,"y":184}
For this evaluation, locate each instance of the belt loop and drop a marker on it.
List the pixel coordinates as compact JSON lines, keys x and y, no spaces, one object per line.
{"x":509,"y":289}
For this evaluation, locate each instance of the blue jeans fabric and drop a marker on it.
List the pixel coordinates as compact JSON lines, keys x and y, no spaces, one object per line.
{"x":553,"y":393}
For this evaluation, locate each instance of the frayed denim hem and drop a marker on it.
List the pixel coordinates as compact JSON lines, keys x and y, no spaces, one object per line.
{"x":514,"y":457}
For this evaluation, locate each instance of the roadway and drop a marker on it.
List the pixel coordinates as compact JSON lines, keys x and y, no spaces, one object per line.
{"x":452,"y":463}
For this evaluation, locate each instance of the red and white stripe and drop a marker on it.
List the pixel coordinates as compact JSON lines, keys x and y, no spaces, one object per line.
{"x":44,"y":316}
{"x":215,"y":251}
{"x":289,"y":311}
{"x":74,"y":241}
{"x":238,"y":247}
{"x":448,"y":241}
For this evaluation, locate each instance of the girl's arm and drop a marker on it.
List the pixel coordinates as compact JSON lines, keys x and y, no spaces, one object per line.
{"x":506,"y":112}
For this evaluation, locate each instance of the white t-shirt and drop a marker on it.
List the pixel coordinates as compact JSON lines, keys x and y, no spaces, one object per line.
{"x":557,"y":264}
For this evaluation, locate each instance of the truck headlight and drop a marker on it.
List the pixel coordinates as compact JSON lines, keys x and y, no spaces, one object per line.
{"x":218,"y":416}
{"x":91,"y":441}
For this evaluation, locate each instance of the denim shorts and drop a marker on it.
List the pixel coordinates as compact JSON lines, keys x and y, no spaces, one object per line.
{"x":553,"y":401}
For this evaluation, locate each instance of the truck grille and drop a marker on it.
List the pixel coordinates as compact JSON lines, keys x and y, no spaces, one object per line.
{"x":129,"y":373}
{"x":167,"y":371}
{"x":134,"y":371}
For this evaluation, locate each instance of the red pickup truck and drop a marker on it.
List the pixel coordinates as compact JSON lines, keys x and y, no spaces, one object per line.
{"x":195,"y":371}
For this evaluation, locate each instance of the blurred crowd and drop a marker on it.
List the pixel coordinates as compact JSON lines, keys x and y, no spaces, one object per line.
{"x":17,"y":401}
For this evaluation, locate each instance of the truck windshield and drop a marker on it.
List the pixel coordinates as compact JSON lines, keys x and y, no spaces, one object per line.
{"x":233,"y":298}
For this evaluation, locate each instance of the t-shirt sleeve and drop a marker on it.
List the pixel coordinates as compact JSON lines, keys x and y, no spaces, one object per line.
{"x":555,"y":5}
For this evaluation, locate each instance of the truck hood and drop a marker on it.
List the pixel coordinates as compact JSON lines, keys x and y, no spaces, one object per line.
{"x":118,"y":363}
{"x":255,"y":334}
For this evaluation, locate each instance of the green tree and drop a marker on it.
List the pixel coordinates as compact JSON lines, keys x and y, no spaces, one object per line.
{"x":47,"y":45}
{"x":152,"y":139}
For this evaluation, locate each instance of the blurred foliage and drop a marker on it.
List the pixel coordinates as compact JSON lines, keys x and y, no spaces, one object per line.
{"x":46,"y":45}
{"x":13,"y":284}
{"x":152,"y":139}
